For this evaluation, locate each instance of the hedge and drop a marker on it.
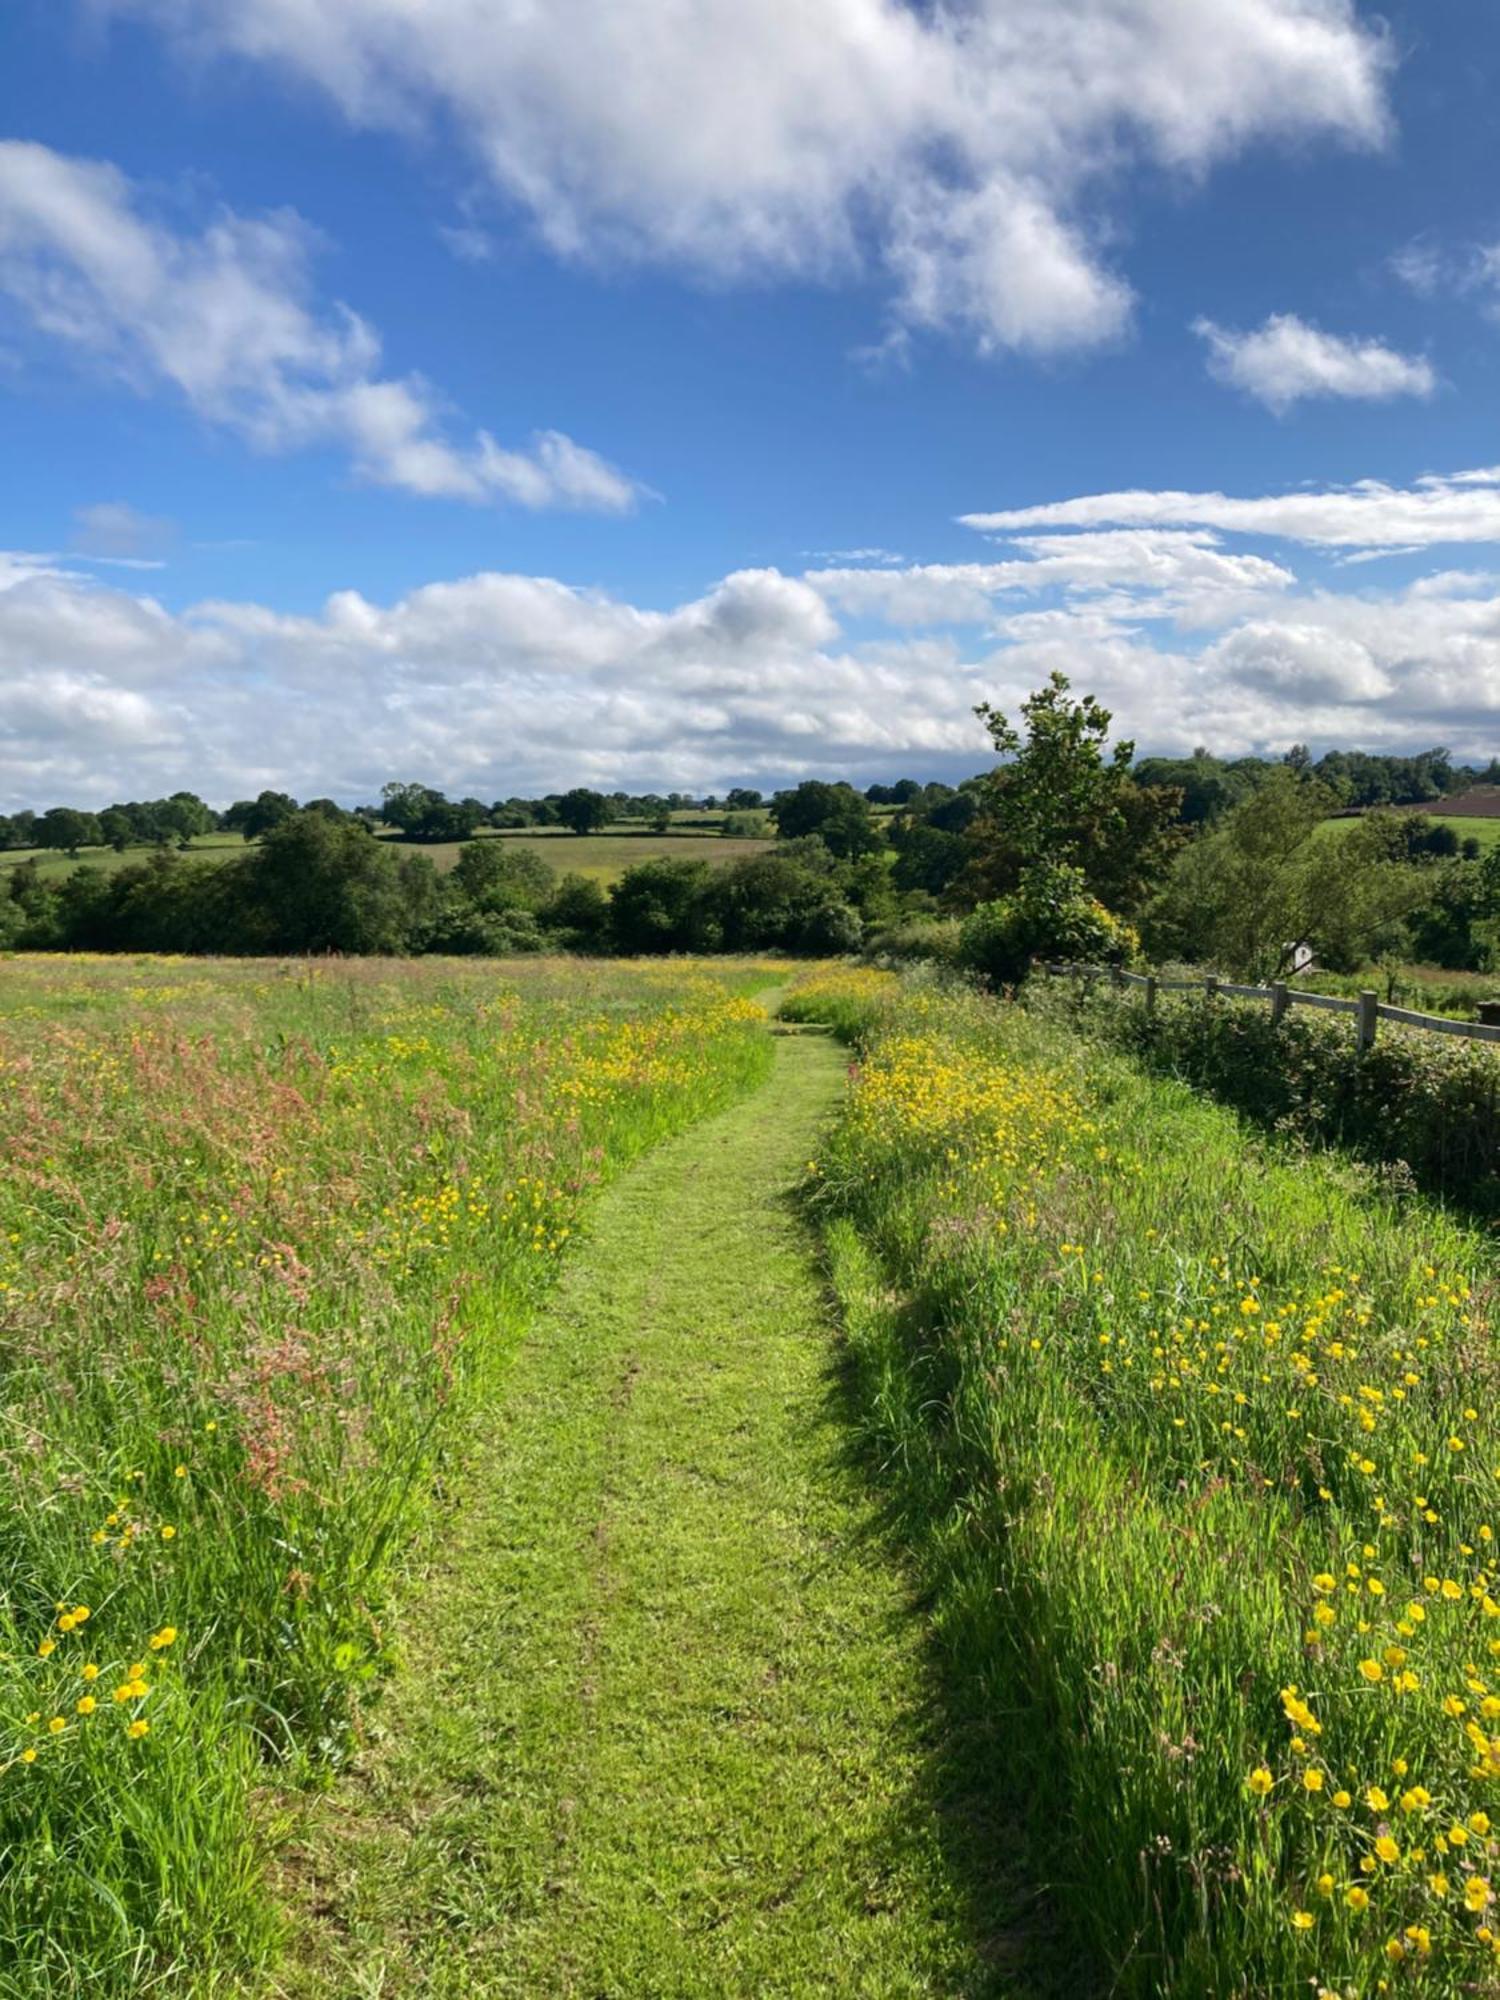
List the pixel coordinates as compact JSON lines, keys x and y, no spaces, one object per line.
{"x":1425,"y":1102}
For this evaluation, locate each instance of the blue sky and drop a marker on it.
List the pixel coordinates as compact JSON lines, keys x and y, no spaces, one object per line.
{"x":491,"y":395}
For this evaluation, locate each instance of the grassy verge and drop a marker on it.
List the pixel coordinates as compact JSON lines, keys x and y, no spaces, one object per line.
{"x":1197,"y":1444}
{"x":662,"y":1727}
{"x":266,"y":1234}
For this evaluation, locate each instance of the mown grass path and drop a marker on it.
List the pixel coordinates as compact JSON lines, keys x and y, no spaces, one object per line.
{"x":661,"y":1727}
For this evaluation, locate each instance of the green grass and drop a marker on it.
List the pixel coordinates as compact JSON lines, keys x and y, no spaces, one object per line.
{"x":662,"y":1726}
{"x":1195,"y":1444}
{"x":268,"y":1233}
{"x":603,"y":856}
{"x":204,"y":847}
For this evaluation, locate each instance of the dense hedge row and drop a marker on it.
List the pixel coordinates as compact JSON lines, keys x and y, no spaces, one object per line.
{"x":1428,"y":1102}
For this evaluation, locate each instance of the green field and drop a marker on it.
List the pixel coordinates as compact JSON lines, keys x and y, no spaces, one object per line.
{"x":531,"y":1477}
{"x":602,"y":856}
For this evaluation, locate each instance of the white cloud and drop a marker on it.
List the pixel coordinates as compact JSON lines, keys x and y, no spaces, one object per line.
{"x":969,"y":150}
{"x":496,"y":683}
{"x":1286,"y":361}
{"x":1456,"y":507}
{"x":1183,"y":575}
{"x":226,"y":319}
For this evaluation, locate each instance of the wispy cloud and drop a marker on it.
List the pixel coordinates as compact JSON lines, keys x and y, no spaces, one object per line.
{"x":226,"y":318}
{"x":971,"y":154}
{"x":1455,"y":507}
{"x":1287,"y":361}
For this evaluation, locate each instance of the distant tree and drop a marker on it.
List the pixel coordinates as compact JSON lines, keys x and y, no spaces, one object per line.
{"x":312,"y":885}
{"x":743,"y":799}
{"x":66,"y":829}
{"x":836,"y":813}
{"x":576,"y":914}
{"x":583,"y":811}
{"x":661,"y":906}
{"x":744,"y":825}
{"x":184,"y":816}
{"x":117,"y":828}
{"x":257,"y":816}
{"x":498,"y":875}
{"x":327,"y":809}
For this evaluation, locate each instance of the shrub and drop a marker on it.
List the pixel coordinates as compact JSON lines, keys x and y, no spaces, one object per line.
{"x":1427,"y":1102}
{"x":1049,"y":915}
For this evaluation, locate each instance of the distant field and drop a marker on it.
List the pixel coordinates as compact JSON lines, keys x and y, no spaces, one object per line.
{"x":605,"y":856}
{"x":1485,"y":831}
{"x":207,"y":847}
{"x":602,"y":856}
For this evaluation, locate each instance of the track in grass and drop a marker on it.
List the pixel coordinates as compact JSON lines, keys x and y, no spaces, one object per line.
{"x":662,"y":1727}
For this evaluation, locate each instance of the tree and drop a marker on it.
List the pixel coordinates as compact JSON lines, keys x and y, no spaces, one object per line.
{"x":1060,"y":800}
{"x":742,"y":798}
{"x":1271,"y":876}
{"x":257,"y":816}
{"x":661,"y":906}
{"x":498,"y":875}
{"x":67,"y":829}
{"x":1050,"y":915}
{"x":312,"y":885}
{"x":583,"y":811}
{"x":834,"y":812}
{"x":184,"y":816}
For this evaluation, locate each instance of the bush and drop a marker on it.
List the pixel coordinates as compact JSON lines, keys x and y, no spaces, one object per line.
{"x":1050,"y":915}
{"x":935,"y":939}
{"x":1419,"y":1100}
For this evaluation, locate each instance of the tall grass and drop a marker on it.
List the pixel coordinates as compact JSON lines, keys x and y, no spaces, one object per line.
{"x":266,"y":1234}
{"x":1200,"y":1447}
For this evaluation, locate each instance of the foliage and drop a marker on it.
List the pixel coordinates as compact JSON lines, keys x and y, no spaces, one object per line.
{"x":1060,"y":800}
{"x":1244,"y":894}
{"x":583,"y":811}
{"x":837,"y":814}
{"x":267,"y":1233}
{"x":1194,"y":1447}
{"x":1423,"y":1104}
{"x":1050,"y":915}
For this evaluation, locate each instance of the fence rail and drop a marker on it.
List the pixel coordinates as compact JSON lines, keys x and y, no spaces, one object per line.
{"x":1369,"y":1010}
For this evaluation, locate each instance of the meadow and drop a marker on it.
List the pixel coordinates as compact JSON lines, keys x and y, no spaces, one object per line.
{"x":603,"y":856}
{"x":1195,"y":1443}
{"x":268,"y":1233}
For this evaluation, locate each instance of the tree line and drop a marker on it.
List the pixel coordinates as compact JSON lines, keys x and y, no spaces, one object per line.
{"x":1069,"y":845}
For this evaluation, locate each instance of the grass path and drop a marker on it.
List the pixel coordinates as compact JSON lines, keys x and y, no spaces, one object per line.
{"x":661,"y":1728}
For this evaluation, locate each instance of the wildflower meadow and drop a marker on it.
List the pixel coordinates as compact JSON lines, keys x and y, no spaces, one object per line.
{"x":267,"y":1233}
{"x":1198,"y":1443}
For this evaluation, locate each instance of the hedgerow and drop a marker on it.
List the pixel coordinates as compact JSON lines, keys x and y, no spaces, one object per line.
{"x":1425,"y":1105}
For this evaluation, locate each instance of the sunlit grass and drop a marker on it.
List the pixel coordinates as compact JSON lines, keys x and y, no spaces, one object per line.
{"x":266,"y":1233}
{"x":1205,"y":1444}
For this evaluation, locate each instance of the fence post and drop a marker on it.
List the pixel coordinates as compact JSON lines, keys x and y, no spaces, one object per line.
{"x":1211,"y":986}
{"x":1367,"y":1021}
{"x":1279,"y":1001}
{"x":1116,"y":977}
{"x":1150,"y":992}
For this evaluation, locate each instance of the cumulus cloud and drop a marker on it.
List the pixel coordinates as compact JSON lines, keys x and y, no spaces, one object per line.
{"x":226,"y":318}
{"x":1369,"y":515}
{"x":968,"y":150}
{"x":495,"y":682}
{"x":1286,"y":361}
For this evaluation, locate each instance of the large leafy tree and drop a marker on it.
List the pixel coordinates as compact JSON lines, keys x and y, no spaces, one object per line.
{"x":1274,"y":873}
{"x":1062,"y":797}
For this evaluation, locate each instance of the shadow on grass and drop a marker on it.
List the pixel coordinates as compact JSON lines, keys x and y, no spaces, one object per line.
{"x":982,"y":1731}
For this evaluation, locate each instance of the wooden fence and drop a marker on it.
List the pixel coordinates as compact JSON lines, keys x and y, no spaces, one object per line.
{"x":1369,"y":1010}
